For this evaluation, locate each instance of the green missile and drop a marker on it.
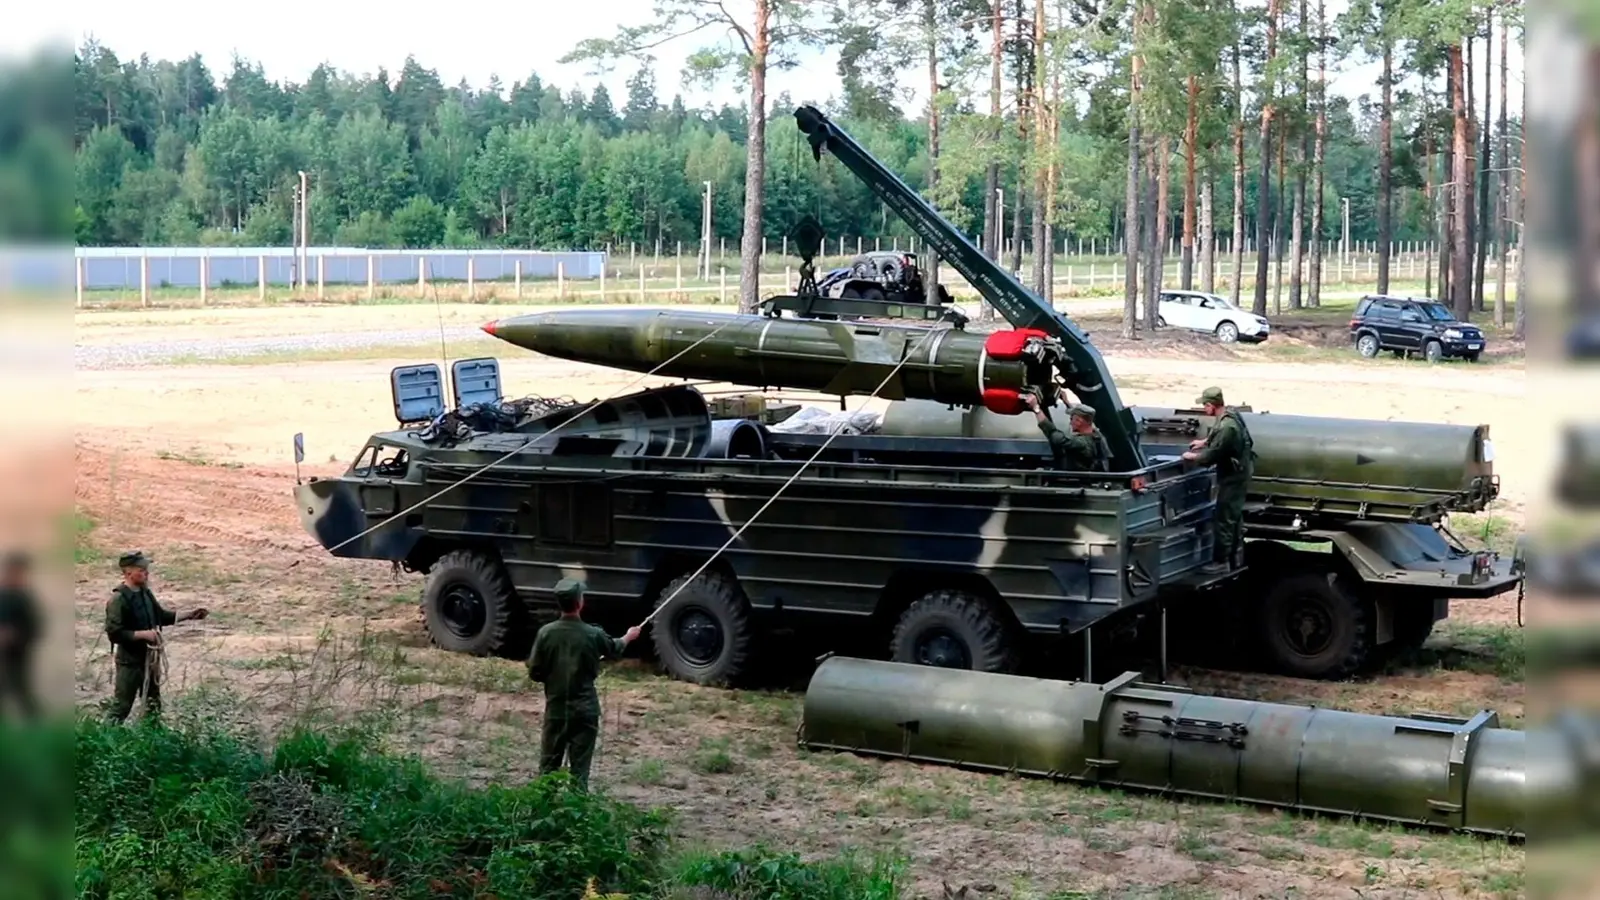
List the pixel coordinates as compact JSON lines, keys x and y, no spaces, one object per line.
{"x":942,"y":364}
{"x":1464,"y":774}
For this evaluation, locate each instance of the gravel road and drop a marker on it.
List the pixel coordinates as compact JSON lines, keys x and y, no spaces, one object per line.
{"x":150,"y":353}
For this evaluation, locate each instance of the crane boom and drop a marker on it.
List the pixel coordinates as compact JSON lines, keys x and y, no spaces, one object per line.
{"x":1077,"y":360}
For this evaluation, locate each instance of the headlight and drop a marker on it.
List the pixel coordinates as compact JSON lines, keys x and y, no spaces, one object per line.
{"x":1453,"y":333}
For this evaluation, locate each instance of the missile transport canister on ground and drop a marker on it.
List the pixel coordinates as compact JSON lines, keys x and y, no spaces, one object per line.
{"x":944,"y":536}
{"x":1463,"y":774}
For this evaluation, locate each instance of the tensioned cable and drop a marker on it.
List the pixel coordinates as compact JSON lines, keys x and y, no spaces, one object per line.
{"x":904,"y":358}
{"x":524,"y":445}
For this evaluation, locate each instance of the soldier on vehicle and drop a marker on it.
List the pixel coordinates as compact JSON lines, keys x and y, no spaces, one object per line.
{"x":133,"y":624}
{"x":566,"y":659}
{"x":19,"y":631}
{"x":1084,"y":449}
{"x":1230,"y":449}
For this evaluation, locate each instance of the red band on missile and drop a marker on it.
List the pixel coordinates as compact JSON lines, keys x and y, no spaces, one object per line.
{"x":1003,"y":401}
{"x":1009,"y":344}
{"x":491,"y":326}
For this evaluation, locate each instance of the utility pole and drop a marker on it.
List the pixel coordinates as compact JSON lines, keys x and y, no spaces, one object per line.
{"x":705,"y":231}
{"x":305,"y":237}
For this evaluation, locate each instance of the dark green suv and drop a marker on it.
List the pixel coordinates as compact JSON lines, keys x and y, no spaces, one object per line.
{"x":1404,"y":326}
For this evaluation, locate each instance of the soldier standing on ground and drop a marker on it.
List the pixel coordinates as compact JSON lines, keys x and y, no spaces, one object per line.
{"x":1230,"y":448}
{"x":566,"y":659}
{"x":133,"y":624}
{"x":19,"y":630}
{"x":1084,"y":450}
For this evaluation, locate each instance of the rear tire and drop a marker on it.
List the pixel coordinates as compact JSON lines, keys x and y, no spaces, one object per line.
{"x":704,"y":636}
{"x":1313,"y":628}
{"x":470,"y":606}
{"x":954,"y":630}
{"x":1367,"y":345}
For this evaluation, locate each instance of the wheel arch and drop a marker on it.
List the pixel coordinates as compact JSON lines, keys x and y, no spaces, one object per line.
{"x":907,"y":586}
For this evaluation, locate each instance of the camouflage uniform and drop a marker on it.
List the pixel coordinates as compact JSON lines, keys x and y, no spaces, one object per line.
{"x":19,"y":613}
{"x":1076,"y":452}
{"x":132,"y":609}
{"x":1231,"y":450}
{"x":566,"y":659}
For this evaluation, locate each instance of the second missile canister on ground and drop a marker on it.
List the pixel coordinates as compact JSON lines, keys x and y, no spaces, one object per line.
{"x":841,"y":358}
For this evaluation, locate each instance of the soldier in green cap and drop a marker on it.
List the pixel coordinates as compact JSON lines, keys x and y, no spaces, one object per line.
{"x":1084,"y":449}
{"x":1231,"y":450}
{"x":133,"y":624}
{"x":566,"y":659}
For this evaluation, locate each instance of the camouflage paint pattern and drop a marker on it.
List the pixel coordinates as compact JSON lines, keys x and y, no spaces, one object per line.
{"x":1062,"y":549}
{"x":1458,"y":774}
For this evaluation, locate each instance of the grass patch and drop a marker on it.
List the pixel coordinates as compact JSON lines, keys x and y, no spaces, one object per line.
{"x":85,"y":551}
{"x":202,"y":809}
{"x":1497,"y":650}
{"x":713,"y":758}
{"x":1485,"y":530}
{"x":195,"y":458}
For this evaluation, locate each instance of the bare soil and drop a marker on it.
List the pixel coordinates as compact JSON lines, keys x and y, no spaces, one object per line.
{"x":192,"y":464}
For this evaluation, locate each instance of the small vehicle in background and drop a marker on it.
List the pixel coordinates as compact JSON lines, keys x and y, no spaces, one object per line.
{"x":1199,"y":311}
{"x":890,"y":275}
{"x":1404,"y":326}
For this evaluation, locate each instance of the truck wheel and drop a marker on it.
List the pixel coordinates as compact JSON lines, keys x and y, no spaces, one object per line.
{"x":470,"y":606}
{"x":704,"y":636}
{"x":1314,"y":629}
{"x":953,"y":630}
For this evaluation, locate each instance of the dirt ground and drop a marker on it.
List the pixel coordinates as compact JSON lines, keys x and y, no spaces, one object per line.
{"x":192,"y":463}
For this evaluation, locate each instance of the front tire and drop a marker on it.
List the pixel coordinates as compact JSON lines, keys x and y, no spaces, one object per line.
{"x":1313,"y":628}
{"x":470,"y":606}
{"x":1227,"y":332}
{"x":704,"y":635}
{"x":1432,"y":351}
{"x":954,"y":630}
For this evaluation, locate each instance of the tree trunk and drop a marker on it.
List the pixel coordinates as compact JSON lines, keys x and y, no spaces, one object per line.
{"x":1503,"y":203}
{"x":1318,"y":216}
{"x":1430,"y":202}
{"x":1238,"y":181}
{"x":1481,"y":220}
{"x":1024,"y":93}
{"x":1520,"y":330}
{"x":755,"y":166}
{"x":1041,"y":154}
{"x":992,"y":211}
{"x":1050,"y":188}
{"x":1460,"y":258}
{"x":1264,"y":201}
{"x":1154,"y":258}
{"x":930,"y":26}
{"x":1385,"y":166}
{"x":1191,"y":136}
{"x":1278,"y":243}
{"x":1208,"y":240}
{"x":1297,"y":247}
{"x":1163,"y":151}
{"x":1130,"y":213}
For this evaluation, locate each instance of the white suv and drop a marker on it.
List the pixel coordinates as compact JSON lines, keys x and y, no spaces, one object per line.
{"x":1199,"y":311}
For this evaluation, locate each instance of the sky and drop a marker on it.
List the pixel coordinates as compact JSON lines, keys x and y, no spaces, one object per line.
{"x":491,"y":37}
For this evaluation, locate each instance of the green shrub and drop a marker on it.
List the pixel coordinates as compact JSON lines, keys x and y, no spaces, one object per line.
{"x":761,"y":875}
{"x":198,"y":812}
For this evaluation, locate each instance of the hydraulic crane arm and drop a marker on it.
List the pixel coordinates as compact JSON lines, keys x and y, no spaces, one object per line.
{"x":1078,"y":361}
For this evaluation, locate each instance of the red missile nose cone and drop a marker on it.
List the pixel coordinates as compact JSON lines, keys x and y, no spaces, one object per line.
{"x":489,"y":327}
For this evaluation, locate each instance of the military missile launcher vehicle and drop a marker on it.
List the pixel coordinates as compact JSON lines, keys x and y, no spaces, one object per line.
{"x":941,"y":530}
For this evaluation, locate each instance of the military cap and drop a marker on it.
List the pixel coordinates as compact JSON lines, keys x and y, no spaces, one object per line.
{"x":1082,"y":409}
{"x":136,"y":559}
{"x":1211,"y":395}
{"x":568,"y":589}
